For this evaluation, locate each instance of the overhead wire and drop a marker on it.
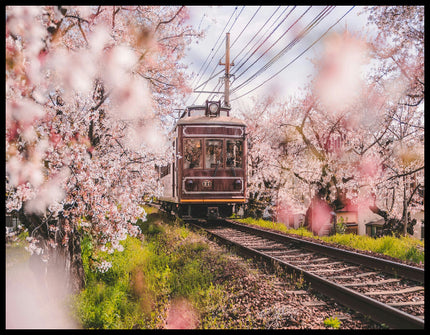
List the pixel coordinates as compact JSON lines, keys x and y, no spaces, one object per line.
{"x":303,"y":52}
{"x":211,"y":75}
{"x":324,"y":13}
{"x":219,"y":84}
{"x":255,"y":35}
{"x":246,"y":26}
{"x":210,"y":78}
{"x":255,"y":51}
{"x":198,"y":74}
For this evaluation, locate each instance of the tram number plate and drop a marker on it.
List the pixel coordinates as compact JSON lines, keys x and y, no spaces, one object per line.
{"x":206,"y":183}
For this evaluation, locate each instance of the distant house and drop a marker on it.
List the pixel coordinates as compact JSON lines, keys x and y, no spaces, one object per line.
{"x":356,"y":218}
{"x":373,"y":228}
{"x":350,"y":220}
{"x":12,"y":222}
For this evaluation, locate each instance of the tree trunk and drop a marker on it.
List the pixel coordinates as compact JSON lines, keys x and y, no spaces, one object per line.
{"x":58,"y":268}
{"x":64,"y":268}
{"x":405,"y":208}
{"x":74,"y":265}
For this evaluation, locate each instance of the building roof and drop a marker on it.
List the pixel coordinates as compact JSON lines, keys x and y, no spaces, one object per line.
{"x":379,"y":222}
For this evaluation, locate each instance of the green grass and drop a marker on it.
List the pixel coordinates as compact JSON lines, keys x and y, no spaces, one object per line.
{"x":171,"y":262}
{"x":404,"y":248}
{"x":332,"y":323}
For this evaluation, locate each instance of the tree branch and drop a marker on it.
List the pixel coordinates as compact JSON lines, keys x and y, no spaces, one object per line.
{"x":406,"y":173}
{"x":413,"y":193}
{"x":168,"y":21}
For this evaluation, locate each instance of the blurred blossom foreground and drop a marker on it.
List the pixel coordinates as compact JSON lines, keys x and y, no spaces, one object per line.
{"x":29,"y":302}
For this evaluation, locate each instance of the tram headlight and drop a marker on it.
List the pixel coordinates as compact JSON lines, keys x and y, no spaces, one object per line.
{"x":212,"y":108}
{"x":189,"y":184}
{"x":237,"y":184}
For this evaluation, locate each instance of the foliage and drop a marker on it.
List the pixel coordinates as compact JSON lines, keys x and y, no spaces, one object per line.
{"x":332,"y":322}
{"x":146,"y":276}
{"x":18,"y":237}
{"x":264,"y":223}
{"x":397,"y":227}
{"x":340,"y":226}
{"x":87,"y":88}
{"x":404,"y":248}
{"x":355,"y":135}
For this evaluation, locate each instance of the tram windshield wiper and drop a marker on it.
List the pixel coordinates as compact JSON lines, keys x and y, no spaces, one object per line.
{"x":216,"y":168}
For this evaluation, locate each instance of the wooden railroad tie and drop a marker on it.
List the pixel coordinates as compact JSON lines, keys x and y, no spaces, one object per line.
{"x":406,"y":303}
{"x":373,"y":283}
{"x":406,"y":290}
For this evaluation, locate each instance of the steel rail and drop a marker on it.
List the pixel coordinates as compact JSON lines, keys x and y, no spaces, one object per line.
{"x":394,"y":268}
{"x":376,"y":310}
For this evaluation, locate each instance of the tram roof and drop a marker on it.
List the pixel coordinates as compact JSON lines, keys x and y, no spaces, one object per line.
{"x":196,"y":114}
{"x":207,"y":120}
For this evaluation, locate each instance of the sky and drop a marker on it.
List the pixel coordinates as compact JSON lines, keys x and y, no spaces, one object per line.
{"x":279,"y":50}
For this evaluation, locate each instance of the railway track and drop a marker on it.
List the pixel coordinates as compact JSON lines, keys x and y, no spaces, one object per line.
{"x":388,"y":292}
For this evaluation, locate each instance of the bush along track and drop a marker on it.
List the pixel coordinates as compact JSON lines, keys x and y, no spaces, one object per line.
{"x":175,"y":278}
{"x":408,"y":250}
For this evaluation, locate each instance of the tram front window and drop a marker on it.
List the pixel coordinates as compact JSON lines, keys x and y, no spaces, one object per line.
{"x":234,"y":153}
{"x":192,"y":154}
{"x":213,"y":157}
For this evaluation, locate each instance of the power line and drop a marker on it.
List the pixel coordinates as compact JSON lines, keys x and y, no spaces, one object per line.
{"x":221,"y":44}
{"x":236,"y":39}
{"x":234,"y":22}
{"x":244,"y":28}
{"x":214,"y":48}
{"x":324,"y":13}
{"x":219,"y":84}
{"x":210,"y":78}
{"x":198,"y":28}
{"x":255,"y":35}
{"x":316,"y":41}
{"x":238,"y":76}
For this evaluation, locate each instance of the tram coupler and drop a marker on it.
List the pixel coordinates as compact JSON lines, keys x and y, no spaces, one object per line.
{"x":213,"y":212}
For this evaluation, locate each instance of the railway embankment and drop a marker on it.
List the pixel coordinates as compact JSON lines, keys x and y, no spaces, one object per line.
{"x":399,"y":305}
{"x":172,"y":277}
{"x":176,"y":278}
{"x":406,"y":250}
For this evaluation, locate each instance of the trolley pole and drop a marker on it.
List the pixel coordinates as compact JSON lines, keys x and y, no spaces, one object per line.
{"x":227,"y":71}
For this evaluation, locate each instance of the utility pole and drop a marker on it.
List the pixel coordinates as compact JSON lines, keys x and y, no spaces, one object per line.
{"x":227,"y":71}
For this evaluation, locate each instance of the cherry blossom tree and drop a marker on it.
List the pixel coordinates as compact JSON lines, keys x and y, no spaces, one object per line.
{"x":381,"y":136}
{"x":86,"y":92}
{"x":263,"y":141}
{"x":303,"y":141}
{"x":399,"y":50}
{"x":356,"y":138}
{"x":271,"y":146}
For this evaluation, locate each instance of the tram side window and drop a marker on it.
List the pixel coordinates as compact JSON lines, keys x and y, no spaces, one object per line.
{"x":234,"y":153}
{"x":213,"y":157}
{"x":192,"y":154}
{"x":164,"y":170}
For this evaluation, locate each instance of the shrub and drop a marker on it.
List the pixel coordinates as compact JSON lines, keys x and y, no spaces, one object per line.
{"x":332,"y":322}
{"x":134,"y":292}
{"x":340,"y":226}
{"x":404,"y":248}
{"x":109,"y":301}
